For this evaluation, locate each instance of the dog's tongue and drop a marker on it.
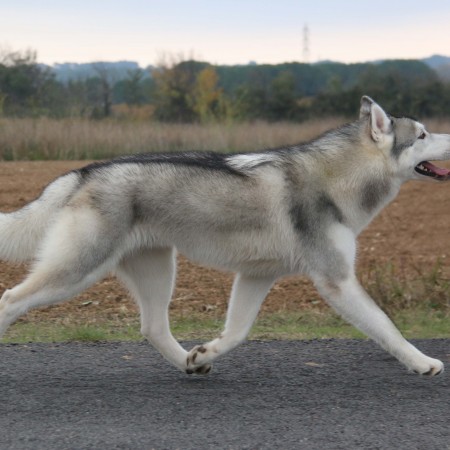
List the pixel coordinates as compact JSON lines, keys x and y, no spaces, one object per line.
{"x":437,"y":170}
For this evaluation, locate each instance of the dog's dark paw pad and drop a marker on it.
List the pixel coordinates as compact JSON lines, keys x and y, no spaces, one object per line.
{"x":432,"y":373}
{"x":435,"y":367}
{"x":203,"y":370}
{"x":194,"y":363}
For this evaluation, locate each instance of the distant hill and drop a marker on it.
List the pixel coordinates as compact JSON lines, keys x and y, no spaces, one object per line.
{"x":119,"y":70}
{"x":440,"y":64}
{"x":436,"y":61}
{"x":316,"y":76}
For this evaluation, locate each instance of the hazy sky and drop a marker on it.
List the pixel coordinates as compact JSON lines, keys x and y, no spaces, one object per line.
{"x":225,"y":31}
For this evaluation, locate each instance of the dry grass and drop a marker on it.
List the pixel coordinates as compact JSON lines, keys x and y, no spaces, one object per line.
{"x":74,"y":139}
{"x":415,"y":288}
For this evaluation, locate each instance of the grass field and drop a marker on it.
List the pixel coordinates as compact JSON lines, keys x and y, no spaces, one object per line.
{"x":313,"y":324}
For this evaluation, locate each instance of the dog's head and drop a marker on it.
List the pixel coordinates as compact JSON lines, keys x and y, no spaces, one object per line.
{"x":406,"y":142}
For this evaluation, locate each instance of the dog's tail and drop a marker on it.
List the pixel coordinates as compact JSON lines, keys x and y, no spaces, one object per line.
{"x":22,"y":231}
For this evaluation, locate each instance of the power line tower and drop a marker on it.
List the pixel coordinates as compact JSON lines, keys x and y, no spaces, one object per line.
{"x":306,"y":44}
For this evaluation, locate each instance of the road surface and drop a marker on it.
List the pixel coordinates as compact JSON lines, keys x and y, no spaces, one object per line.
{"x":324,"y":394}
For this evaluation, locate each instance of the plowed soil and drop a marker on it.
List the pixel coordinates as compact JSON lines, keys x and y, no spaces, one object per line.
{"x":413,"y":231}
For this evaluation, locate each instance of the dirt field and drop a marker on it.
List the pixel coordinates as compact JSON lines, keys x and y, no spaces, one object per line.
{"x":413,"y":232}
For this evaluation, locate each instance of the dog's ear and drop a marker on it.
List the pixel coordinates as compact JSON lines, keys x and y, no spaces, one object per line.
{"x":380,"y":124}
{"x":366,"y":103}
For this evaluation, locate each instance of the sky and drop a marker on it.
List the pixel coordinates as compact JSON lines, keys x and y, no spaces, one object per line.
{"x":225,"y":31}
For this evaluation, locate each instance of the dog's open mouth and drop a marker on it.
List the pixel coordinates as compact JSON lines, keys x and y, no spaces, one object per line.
{"x":430,"y":170}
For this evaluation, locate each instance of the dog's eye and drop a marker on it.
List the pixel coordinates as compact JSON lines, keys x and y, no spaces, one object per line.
{"x":422,"y":136}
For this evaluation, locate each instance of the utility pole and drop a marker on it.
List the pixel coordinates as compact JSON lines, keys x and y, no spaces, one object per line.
{"x":306,"y":44}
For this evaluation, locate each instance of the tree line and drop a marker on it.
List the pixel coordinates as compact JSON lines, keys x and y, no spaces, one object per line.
{"x":192,"y":91}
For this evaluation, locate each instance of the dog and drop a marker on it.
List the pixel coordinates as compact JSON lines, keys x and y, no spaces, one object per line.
{"x":293,"y":210}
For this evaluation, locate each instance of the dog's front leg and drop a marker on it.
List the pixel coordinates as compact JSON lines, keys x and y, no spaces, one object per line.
{"x":350,"y":300}
{"x":246,"y":297}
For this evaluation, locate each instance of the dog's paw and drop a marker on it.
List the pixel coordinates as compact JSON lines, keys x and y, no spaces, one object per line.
{"x":429,"y":367}
{"x":196,"y":361}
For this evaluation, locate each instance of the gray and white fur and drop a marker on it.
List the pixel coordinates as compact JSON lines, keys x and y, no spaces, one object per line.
{"x":294,"y":210}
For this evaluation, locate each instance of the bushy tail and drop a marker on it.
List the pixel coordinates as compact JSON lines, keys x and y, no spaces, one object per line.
{"x":22,"y":231}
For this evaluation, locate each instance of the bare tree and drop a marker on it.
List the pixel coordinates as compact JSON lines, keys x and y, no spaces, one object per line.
{"x":106,"y":84}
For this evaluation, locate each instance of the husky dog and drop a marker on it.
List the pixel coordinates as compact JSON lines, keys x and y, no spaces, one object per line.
{"x":294,"y":210}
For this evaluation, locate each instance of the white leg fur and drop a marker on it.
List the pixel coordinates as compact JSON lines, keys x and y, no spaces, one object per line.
{"x":150,"y":276}
{"x":350,"y":300}
{"x":43,"y":287}
{"x":247,"y":296}
{"x":72,"y":257}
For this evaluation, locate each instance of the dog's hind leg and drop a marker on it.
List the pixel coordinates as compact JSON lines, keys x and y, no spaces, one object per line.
{"x":150,"y":277}
{"x":246,"y":298}
{"x":42,"y":288}
{"x":76,"y":252}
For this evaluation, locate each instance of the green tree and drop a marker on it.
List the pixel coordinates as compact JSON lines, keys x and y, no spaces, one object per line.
{"x":283,"y":102}
{"x":25,"y":85}
{"x":132,"y":88}
{"x":249,"y":103}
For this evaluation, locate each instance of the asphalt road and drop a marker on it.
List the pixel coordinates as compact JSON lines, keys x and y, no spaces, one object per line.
{"x":327,"y":394}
